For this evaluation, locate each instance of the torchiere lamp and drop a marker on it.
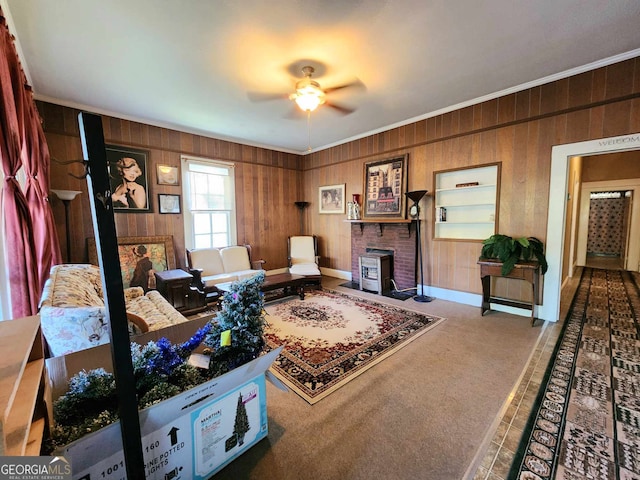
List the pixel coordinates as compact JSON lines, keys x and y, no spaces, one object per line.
{"x":302,"y":206}
{"x":414,"y":212}
{"x":67,"y":196}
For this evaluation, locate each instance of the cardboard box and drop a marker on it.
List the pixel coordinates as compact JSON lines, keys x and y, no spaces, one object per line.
{"x":61,"y":369}
{"x":187,"y":436}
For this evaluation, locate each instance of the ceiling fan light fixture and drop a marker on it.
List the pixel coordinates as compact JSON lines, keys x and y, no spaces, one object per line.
{"x":308,"y":97}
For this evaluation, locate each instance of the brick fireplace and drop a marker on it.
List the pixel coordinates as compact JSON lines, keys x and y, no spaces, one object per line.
{"x":399,"y":238}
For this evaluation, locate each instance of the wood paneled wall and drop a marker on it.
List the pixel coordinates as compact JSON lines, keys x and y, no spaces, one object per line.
{"x":267,"y":185}
{"x":619,"y":166}
{"x":518,"y":130}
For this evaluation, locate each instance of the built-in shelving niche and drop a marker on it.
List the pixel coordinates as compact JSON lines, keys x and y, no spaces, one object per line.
{"x":466,"y":202}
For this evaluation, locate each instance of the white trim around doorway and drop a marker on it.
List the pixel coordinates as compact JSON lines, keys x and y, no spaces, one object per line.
{"x":560,"y":155}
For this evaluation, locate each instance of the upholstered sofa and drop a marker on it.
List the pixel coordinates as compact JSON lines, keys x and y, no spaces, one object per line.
{"x":72,"y":312}
{"x":212,"y":266}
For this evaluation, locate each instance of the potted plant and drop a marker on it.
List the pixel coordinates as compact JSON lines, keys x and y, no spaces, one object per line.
{"x":511,"y":250}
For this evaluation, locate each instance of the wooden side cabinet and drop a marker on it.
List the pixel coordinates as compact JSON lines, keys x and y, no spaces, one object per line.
{"x":527,"y":271}
{"x":21,"y":387}
{"x":175,"y":286}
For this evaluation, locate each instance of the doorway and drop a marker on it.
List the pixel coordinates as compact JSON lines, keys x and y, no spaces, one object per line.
{"x":560,"y":155}
{"x":629,"y":247}
{"x":608,"y":229}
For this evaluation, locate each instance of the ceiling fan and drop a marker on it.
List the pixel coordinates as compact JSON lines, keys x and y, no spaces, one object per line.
{"x":309,"y":94}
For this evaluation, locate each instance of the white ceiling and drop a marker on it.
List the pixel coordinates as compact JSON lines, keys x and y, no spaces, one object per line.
{"x":190,"y":64}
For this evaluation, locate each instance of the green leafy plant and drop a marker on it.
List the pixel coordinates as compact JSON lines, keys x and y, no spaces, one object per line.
{"x":511,"y":250}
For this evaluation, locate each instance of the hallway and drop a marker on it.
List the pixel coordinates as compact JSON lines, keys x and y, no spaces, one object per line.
{"x":503,"y":446}
{"x":604,"y":262}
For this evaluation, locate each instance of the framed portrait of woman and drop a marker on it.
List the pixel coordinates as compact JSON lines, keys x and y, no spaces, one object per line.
{"x":128,"y":172}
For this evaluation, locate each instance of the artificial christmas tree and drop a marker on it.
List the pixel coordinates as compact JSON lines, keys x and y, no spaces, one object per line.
{"x":236,"y":335}
{"x":241,"y":425}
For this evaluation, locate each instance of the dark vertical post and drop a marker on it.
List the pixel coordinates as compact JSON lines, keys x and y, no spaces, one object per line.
{"x":416,"y":196}
{"x":68,"y":228}
{"x":94,"y":152}
{"x":301,"y":206}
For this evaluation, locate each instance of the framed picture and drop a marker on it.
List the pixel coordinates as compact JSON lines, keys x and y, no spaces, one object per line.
{"x":168,"y":203}
{"x":129,"y":179}
{"x":331,"y":199}
{"x":167,"y":175}
{"x":385,"y":184}
{"x":140,"y":258}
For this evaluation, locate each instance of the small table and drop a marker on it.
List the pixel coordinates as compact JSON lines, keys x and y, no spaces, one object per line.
{"x":175,"y":286}
{"x":289,"y":283}
{"x":527,"y":271}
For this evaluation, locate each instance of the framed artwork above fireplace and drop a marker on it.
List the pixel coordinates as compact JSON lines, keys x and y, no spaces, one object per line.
{"x":385,"y":184}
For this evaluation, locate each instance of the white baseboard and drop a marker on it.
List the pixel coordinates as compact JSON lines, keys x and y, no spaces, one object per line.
{"x":466,"y":298}
{"x":330,"y":272}
{"x":473,"y":299}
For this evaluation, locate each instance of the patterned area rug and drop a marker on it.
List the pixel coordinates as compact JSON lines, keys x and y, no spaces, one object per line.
{"x":587,"y":422}
{"x":330,"y":338}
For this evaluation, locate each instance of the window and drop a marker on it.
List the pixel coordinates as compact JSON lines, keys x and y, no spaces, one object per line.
{"x":5,"y":290}
{"x":209,"y":203}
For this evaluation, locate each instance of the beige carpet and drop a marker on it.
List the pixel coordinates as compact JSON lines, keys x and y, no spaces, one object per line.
{"x":422,"y":413}
{"x":330,"y":338}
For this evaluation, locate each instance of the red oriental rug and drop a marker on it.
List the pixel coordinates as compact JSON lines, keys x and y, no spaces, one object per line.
{"x":330,"y":338}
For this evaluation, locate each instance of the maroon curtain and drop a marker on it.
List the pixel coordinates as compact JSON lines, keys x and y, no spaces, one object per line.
{"x":20,"y":241}
{"x":36,"y":165}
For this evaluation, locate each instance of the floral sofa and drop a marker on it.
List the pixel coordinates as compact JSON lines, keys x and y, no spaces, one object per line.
{"x":72,"y":310}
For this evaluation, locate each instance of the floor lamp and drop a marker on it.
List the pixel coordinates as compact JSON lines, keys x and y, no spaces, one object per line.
{"x":66,"y":196}
{"x":416,"y":196}
{"x":302,"y":206}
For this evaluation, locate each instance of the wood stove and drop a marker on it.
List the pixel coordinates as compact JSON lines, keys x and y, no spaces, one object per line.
{"x":375,"y":272}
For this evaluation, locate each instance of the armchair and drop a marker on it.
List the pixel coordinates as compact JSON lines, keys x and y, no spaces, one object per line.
{"x":303,"y":258}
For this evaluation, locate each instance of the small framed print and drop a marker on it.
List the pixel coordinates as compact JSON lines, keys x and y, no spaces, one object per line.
{"x":168,"y":203}
{"x":331,"y":199}
{"x":167,"y":175}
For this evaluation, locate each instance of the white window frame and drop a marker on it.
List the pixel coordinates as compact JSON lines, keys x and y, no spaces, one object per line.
{"x":6,"y":308}
{"x":186,"y":192}
{"x":5,"y":291}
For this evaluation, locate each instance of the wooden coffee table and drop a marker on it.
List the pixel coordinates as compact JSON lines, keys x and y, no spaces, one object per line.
{"x":289,"y":284}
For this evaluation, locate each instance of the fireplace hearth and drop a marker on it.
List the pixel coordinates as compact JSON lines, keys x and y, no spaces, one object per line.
{"x":397,"y":241}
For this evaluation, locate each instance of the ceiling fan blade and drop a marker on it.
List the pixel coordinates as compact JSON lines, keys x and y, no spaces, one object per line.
{"x":357,"y":83}
{"x":295,"y":113}
{"x":266,"y":97}
{"x":339,"y":108}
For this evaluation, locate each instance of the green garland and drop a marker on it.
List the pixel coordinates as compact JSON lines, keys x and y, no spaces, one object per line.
{"x":160,"y":371}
